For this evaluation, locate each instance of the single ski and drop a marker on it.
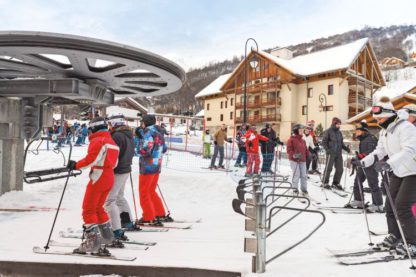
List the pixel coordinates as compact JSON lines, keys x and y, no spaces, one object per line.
{"x":149,"y":230}
{"x":378,"y":233}
{"x":370,"y":259}
{"x":79,"y":236}
{"x":132,"y":246}
{"x":188,"y":221}
{"x":356,"y":252}
{"x":334,"y":191}
{"x":39,"y":250}
{"x":338,"y":210}
{"x":221,"y":169}
{"x":29,"y":209}
{"x":168,"y":226}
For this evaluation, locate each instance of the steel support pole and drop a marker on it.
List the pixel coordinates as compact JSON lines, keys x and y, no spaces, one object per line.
{"x":260,"y":259}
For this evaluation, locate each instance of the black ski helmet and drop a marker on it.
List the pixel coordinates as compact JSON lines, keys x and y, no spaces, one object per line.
{"x":295,"y":128}
{"x":149,"y":120}
{"x":98,"y":123}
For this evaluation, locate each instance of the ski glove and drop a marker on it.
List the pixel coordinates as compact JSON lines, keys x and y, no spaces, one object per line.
{"x":72,"y":165}
{"x":381,"y":166}
{"x":215,"y":142}
{"x":355,"y":161}
{"x":297,"y":156}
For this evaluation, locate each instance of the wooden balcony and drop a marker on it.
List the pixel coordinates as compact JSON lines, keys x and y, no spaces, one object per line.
{"x":361,"y":101}
{"x":258,"y":104}
{"x":254,"y":119}
{"x":268,"y":86}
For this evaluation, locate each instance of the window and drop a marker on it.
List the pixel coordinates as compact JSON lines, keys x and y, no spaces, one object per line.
{"x":221,"y":117}
{"x":328,"y":108}
{"x":310,"y":92}
{"x":231,"y":115}
{"x":304,"y":110}
{"x":226,"y":104}
{"x":207,"y":106}
{"x":209,"y":118}
{"x":330,"y":89}
{"x":222,"y":104}
{"x":232,"y":101}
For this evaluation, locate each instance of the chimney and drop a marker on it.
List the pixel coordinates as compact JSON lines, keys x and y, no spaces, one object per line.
{"x":283,"y":53}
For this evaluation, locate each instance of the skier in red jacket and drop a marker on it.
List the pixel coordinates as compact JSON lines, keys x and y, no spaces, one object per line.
{"x":102,"y":158}
{"x":252,"y":139}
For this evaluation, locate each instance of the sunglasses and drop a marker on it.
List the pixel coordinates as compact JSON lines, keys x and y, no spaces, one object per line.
{"x":379,"y":110}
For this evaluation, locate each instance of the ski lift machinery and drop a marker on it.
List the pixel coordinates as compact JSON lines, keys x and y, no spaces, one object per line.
{"x":39,"y":71}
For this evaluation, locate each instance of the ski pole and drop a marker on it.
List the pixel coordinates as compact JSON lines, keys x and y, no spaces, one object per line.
{"x":360,"y":187}
{"x":323,"y":176}
{"x":163,"y":198}
{"x":386,"y":183}
{"x":134,"y":198}
{"x":345,"y":172}
{"x":46,"y":247}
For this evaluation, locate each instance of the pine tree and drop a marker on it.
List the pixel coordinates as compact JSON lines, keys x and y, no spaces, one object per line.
{"x":319,"y":130}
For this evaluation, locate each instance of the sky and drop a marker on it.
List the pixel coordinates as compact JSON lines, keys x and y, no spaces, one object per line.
{"x":195,"y":33}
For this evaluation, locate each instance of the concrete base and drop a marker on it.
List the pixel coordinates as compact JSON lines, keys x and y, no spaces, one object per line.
{"x":23,"y":269}
{"x":11,"y":165}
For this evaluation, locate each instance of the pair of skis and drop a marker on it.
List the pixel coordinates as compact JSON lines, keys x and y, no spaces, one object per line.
{"x":366,"y":256}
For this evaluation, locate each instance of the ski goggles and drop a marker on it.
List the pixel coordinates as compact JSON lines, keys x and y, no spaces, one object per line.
{"x":378,"y":110}
{"x":411,"y":111}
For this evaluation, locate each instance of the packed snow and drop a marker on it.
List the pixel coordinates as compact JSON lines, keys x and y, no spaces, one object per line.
{"x":215,"y":243}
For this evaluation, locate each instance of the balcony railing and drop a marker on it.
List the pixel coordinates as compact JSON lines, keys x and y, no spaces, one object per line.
{"x":260,"y":118}
{"x":361,"y":100}
{"x":260,"y":103}
{"x":271,"y":85}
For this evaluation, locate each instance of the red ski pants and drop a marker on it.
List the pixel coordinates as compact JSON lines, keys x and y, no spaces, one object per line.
{"x":253,"y":158}
{"x":150,"y":201}
{"x":95,"y":195}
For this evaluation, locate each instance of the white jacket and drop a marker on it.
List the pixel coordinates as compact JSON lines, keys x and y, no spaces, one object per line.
{"x":398,"y":142}
{"x":207,"y":138}
{"x":309,"y":141}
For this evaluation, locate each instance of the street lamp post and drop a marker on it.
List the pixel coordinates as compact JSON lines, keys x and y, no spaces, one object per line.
{"x":253,"y":63}
{"x":322,"y":99}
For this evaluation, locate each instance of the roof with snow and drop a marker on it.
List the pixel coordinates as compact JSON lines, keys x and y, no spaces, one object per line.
{"x":214,"y":87}
{"x":201,"y":113}
{"x":335,"y":58}
{"x":116,"y":110}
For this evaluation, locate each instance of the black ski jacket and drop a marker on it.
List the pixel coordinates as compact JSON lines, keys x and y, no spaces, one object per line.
{"x":333,"y":141}
{"x":123,"y":137}
{"x":367,"y":145}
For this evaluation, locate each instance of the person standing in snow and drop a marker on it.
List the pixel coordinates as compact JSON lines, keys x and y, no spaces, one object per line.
{"x":252,"y":139}
{"x":152,"y":148}
{"x":102,"y":158}
{"x":333,"y":143}
{"x":313,"y":150}
{"x":267,"y":148}
{"x":298,"y":154}
{"x":207,"y":140}
{"x":116,"y":204}
{"x":397,"y":142}
{"x":220,"y":137}
{"x":241,"y":143}
{"x":368,"y":143}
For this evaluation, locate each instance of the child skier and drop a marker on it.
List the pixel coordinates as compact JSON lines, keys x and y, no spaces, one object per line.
{"x":298,"y":153}
{"x":102,"y":158}
{"x":252,"y":148}
{"x":207,"y":140}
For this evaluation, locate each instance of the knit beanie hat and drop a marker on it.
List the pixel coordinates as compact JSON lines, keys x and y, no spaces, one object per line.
{"x":386,"y":104}
{"x":363,"y":126}
{"x":149,"y":120}
{"x":336,"y":120}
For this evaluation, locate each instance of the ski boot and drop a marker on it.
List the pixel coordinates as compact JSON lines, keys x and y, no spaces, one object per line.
{"x":304,"y":194}
{"x":337,"y":187}
{"x":389,"y":242}
{"x":326,"y":186}
{"x":106,"y":233}
{"x":221,"y":167}
{"x":92,"y":243}
{"x":295,"y":191}
{"x":248,"y":175}
{"x":119,"y":235}
{"x":401,"y":249}
{"x":355,"y":204}
{"x":375,"y":209}
{"x":166,"y":218}
{"x":155,"y":222}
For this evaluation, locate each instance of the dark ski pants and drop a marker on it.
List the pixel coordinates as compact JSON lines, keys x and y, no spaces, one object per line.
{"x":372,"y":178}
{"x":267,"y":161}
{"x":242,"y":156}
{"x":331,"y":161}
{"x":403,"y":192}
{"x":217,"y":149}
{"x":312,"y":158}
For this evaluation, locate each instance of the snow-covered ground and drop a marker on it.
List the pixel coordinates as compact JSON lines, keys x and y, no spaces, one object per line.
{"x":215,"y":243}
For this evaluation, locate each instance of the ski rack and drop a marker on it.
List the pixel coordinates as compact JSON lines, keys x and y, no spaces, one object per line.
{"x":257,"y":221}
{"x":38,"y":176}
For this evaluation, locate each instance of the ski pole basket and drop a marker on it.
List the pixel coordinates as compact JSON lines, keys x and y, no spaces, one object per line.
{"x":44,"y":175}
{"x":260,"y":208}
